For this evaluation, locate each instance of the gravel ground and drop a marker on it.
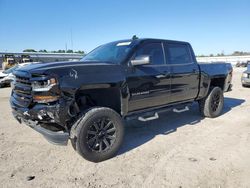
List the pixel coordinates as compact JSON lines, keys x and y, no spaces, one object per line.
{"x":178,"y":150}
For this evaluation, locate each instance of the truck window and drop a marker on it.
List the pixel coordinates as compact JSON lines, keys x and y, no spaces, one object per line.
{"x":178,"y":53}
{"x":114,"y":52}
{"x":154,"y":50}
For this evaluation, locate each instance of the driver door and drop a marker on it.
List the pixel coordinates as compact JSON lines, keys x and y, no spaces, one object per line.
{"x":149,"y":84}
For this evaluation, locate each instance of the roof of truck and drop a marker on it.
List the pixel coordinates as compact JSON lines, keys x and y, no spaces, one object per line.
{"x":151,"y":39}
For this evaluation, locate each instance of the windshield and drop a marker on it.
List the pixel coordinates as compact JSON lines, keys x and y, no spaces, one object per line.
{"x":114,"y":52}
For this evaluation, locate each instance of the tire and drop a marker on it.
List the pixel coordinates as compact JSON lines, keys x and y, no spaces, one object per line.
{"x":212,"y":105}
{"x":243,"y":85}
{"x":98,"y":134}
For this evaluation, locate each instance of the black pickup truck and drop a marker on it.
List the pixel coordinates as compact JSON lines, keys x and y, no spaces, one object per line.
{"x":88,"y":101}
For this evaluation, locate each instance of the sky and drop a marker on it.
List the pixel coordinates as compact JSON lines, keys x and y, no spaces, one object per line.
{"x":211,"y":26}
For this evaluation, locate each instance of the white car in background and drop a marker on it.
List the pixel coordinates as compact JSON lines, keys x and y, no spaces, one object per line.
{"x":6,"y":76}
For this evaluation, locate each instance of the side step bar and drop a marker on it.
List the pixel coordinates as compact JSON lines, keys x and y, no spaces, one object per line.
{"x":156,"y":116}
{"x":152,"y":114}
{"x":181,"y":110}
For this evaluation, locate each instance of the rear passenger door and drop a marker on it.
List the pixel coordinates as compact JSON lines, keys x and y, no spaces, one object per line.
{"x":184,"y":71}
{"x":149,"y":85}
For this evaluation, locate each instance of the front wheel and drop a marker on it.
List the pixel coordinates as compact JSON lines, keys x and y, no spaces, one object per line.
{"x":99,"y":134}
{"x":212,"y":105}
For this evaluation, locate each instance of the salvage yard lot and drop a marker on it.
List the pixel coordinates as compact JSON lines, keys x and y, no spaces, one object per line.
{"x":178,"y":150}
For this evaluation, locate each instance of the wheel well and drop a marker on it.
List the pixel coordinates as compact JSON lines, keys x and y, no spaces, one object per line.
{"x":107,"y":97}
{"x":218,"y":82}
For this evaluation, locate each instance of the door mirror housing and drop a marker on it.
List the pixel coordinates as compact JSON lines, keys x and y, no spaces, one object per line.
{"x":141,"y":60}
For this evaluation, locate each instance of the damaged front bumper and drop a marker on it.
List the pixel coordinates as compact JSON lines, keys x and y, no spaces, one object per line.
{"x":36,"y":116}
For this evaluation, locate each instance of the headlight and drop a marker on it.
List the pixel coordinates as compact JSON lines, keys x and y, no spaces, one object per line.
{"x":244,"y":75}
{"x":44,"y":85}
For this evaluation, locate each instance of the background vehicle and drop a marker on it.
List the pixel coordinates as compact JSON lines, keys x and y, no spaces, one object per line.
{"x":242,"y":64}
{"x":25,"y":59}
{"x":88,"y":101}
{"x":6,"y":76}
{"x":8,"y":61}
{"x":245,"y":78}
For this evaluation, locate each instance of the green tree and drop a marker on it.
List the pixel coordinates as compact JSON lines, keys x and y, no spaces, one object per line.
{"x":29,"y":50}
{"x":69,"y":51}
{"x":80,"y":52}
{"x":60,"y":51}
{"x":45,"y":51}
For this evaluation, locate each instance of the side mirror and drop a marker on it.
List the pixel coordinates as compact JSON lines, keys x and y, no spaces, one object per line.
{"x":141,"y":60}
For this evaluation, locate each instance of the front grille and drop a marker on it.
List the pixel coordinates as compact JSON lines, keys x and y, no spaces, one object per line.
{"x":21,"y":93}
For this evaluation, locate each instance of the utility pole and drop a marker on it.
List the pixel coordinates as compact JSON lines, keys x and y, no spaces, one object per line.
{"x":71,"y":39}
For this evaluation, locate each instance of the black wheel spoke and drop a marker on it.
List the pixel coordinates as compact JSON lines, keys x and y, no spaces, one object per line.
{"x":100,"y":146}
{"x":111,"y":130}
{"x":106,"y":142}
{"x":102,"y":123}
{"x":101,"y":135}
{"x":92,"y":132}
{"x":107,"y":126}
{"x":96,"y":126}
{"x":111,"y":137}
{"x":92,"y":139}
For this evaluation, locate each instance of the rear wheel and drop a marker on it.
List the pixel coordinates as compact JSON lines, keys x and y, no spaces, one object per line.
{"x":99,"y":134}
{"x":212,"y":105}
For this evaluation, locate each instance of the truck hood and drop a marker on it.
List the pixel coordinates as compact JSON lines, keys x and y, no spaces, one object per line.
{"x":58,"y":65}
{"x":77,"y":73}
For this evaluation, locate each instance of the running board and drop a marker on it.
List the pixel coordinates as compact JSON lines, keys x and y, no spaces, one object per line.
{"x":156,"y":116}
{"x":181,"y":110}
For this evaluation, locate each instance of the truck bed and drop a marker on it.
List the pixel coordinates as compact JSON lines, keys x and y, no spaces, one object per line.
{"x":216,"y":69}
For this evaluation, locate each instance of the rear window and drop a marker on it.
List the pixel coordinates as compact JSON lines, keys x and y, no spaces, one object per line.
{"x":178,"y":53}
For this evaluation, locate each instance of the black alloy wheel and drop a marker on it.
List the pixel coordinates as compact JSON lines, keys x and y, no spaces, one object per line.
{"x":215,"y":101}
{"x":101,"y":135}
{"x":98,"y":134}
{"x":212,"y":105}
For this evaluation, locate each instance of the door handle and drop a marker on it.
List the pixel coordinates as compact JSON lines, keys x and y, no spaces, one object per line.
{"x":163,"y":75}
